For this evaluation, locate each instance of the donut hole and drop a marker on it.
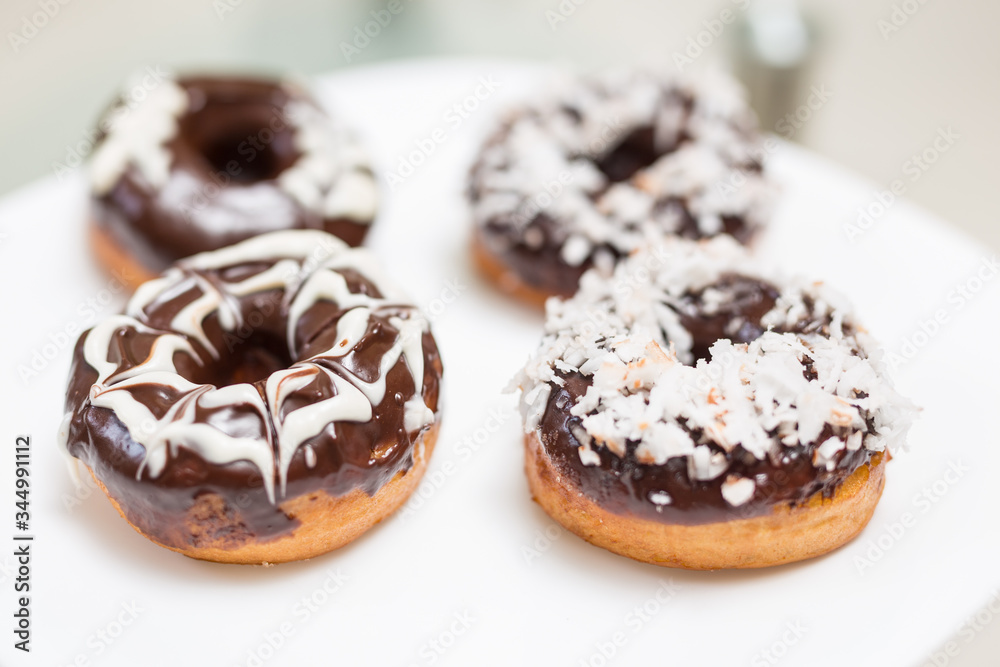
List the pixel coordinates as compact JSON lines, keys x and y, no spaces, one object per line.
{"x":236,"y":156}
{"x":239,"y":137}
{"x":250,"y":360}
{"x":738,"y":303}
{"x":636,"y":151}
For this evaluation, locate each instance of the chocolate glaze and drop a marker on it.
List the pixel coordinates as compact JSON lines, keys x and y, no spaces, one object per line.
{"x":738,"y":319}
{"x":541,"y":266}
{"x":623,"y":485}
{"x":234,"y":140}
{"x":348,"y":455}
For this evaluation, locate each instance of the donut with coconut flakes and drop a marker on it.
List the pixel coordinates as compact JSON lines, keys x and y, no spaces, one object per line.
{"x":605,"y":165}
{"x":695,"y":412}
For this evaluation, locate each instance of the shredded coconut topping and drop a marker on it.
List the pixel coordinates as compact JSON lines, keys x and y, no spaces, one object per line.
{"x":812,"y":379}
{"x":706,"y":168}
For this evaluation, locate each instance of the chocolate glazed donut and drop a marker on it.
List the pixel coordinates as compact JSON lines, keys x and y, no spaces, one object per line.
{"x":709,"y":417}
{"x":203,"y":162}
{"x":610,"y":164}
{"x":267,"y":402}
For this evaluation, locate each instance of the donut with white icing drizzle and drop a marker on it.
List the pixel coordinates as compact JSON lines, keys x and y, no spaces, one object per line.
{"x":203,"y":162}
{"x":266,"y":402}
{"x":604,"y":165}
{"x":695,"y":412}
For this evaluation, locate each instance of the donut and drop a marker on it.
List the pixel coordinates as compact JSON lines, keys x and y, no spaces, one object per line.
{"x":266,"y":402}
{"x":695,"y":412}
{"x":610,"y":163}
{"x":205,"y":162}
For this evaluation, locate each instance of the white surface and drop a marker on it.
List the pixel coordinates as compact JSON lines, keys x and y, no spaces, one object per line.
{"x":463,"y":549}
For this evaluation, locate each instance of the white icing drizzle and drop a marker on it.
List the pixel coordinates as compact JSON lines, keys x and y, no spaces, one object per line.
{"x":562,"y":136}
{"x":333,"y":176}
{"x":305,"y":267}
{"x":62,"y":441}
{"x":191,"y":318}
{"x":137,"y":136}
{"x":348,"y":405}
{"x":329,"y":286}
{"x":643,"y":386}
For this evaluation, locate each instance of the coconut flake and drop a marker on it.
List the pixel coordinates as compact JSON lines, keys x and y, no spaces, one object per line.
{"x":660,"y":498}
{"x":708,"y":168}
{"x":738,"y":490}
{"x":812,"y":372}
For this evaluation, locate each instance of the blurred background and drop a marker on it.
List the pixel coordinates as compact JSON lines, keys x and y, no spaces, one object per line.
{"x":892,"y":89}
{"x":882,"y":80}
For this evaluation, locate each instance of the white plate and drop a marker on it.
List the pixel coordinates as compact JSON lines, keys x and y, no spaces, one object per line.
{"x":474,"y":550}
